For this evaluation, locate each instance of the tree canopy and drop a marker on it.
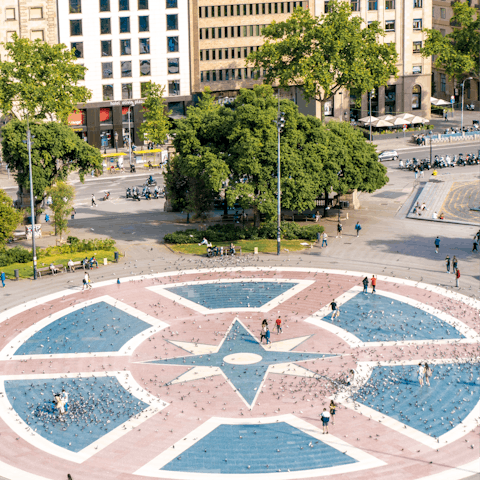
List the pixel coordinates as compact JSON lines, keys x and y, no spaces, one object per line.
{"x":155,"y":115}
{"x":235,"y":148}
{"x":457,"y":52}
{"x":62,"y":196}
{"x":10,"y":217}
{"x":40,"y":80}
{"x":56,"y":151}
{"x":326,"y":54}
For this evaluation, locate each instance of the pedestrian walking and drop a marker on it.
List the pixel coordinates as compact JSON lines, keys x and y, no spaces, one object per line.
{"x":2,"y":278}
{"x":422,"y":173}
{"x":94,"y":204}
{"x":428,"y":374}
{"x":475,"y":244}
{"x":263,"y":333}
{"x":447,"y":263}
{"x":267,"y":336}
{"x":325,"y":420}
{"x":339,"y":230}
{"x":86,"y":282}
{"x":358,"y":227}
{"x":365,"y":284}
{"x":335,"y":312}
{"x":421,"y":373}
{"x":374,"y":283}
{"x":445,"y":115}
{"x":279,"y":325}
{"x":333,"y":408}
{"x":416,"y":172}
{"x":47,"y":218}
{"x":457,"y":278}
{"x":437,"y":244}
{"x":454,"y":264}
{"x":324,"y":239}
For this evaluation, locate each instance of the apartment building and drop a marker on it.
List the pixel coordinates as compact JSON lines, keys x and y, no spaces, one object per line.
{"x":442,"y":86}
{"x":223,"y":33}
{"x":33,"y":19}
{"x":125,"y":44}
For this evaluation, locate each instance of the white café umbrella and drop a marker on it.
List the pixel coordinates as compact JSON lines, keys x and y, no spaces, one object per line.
{"x":368,"y":120}
{"x":416,"y":120}
{"x":381,"y":123}
{"x":399,"y":120}
{"x":438,"y":102}
{"x":388,"y":118}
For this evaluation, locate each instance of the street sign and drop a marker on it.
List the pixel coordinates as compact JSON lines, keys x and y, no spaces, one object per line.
{"x":452,"y":99}
{"x":404,"y":127}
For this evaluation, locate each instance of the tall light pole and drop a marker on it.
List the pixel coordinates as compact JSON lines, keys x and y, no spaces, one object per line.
{"x":463,"y":92}
{"x":129,"y":134}
{"x":280,"y":123}
{"x":372,"y":93}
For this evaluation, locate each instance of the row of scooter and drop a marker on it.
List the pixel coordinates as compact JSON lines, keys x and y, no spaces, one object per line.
{"x":439,"y":161}
{"x":135,"y":193}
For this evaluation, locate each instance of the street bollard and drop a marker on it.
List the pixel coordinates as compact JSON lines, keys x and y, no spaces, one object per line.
{"x":255,"y":250}
{"x":17,"y":274}
{"x":105,"y":261}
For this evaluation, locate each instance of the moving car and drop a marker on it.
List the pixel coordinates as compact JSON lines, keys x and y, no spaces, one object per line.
{"x":387,"y":155}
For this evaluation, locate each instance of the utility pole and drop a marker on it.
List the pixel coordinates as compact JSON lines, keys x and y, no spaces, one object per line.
{"x":280,"y":123}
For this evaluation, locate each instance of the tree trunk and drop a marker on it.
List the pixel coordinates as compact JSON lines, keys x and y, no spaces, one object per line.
{"x":256,"y":216}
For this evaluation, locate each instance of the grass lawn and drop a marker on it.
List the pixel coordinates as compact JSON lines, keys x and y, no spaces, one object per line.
{"x":264,"y":246}
{"x":26,"y":269}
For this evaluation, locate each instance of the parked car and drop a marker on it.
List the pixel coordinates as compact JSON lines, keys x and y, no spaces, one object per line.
{"x":387,"y":155}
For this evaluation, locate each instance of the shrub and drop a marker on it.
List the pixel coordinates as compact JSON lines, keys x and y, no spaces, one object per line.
{"x":15,"y":255}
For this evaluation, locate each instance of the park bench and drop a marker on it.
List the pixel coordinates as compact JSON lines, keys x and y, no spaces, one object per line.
{"x":301,"y":217}
{"x":79,"y":263}
{"x":229,"y":217}
{"x":46,"y":270}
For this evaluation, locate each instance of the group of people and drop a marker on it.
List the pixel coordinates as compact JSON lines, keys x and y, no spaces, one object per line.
{"x":451,"y":263}
{"x":61,"y":402}
{"x":265,"y":332}
{"x":424,"y":374}
{"x":327,"y":415}
{"x":324,"y":235}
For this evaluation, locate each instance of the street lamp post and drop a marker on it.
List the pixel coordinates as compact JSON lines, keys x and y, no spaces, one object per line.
{"x":431,"y":133}
{"x":280,"y":123}
{"x":463,"y":92}
{"x":372,"y":93}
{"x":129,"y":135}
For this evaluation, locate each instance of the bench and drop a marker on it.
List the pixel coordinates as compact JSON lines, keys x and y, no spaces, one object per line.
{"x":75,"y":264}
{"x":46,"y":270}
{"x":303,"y":218}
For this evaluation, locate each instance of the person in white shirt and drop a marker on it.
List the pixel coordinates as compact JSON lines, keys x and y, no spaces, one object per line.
{"x":65,"y":399}
{"x":325,"y":419}
{"x":70,"y":265}
{"x":421,"y":373}
{"x":203,"y":242}
{"x":434,"y":215}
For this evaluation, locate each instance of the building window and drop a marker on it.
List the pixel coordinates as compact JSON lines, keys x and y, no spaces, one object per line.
{"x":107,"y":95}
{"x":174,"y":4}
{"x":172,"y":44}
{"x":372,"y":5}
{"x":433,"y":12}
{"x":417,"y":3}
{"x":174,"y":65}
{"x":10,"y":14}
{"x":417,"y":24}
{"x":104,"y":5}
{"x":124,"y":24}
{"x":143,"y":24}
{"x":107,"y":70}
{"x":38,"y":35}
{"x":126,"y":68}
{"x":145,"y":68}
{"x":443,"y":13}
{"x":172,"y":22}
{"x":123,"y":5}
{"x":201,"y":77}
{"x":416,"y":97}
{"x":214,"y":76}
{"x":144,"y":45}
{"x":443,"y":82}
{"x":389,"y":4}
{"x":105,"y":26}
{"x":390,"y":25}
{"x":75,"y":6}
{"x":77,"y":48}
{"x":128,"y":113}
{"x":207,"y":55}
{"x":75,"y":28}
{"x":174,"y":86}
{"x":143,"y":4}
{"x":390,"y":99}
{"x":144,"y":89}
{"x":326,"y":8}
{"x":416,"y":69}
{"x":106,"y":46}
{"x":125,"y":47}
{"x":442,"y":32}
{"x":36,"y":13}
{"x":417,"y":46}
{"x":126,"y":91}
{"x":355,"y":4}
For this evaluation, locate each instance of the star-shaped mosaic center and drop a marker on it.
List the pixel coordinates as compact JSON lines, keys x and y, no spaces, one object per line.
{"x":242,"y":359}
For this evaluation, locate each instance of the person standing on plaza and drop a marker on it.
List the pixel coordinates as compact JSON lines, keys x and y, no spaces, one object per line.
{"x":475,"y":244}
{"x":263,"y":333}
{"x":457,"y":278}
{"x":324,"y":239}
{"x":454,"y":264}
{"x":421,"y":373}
{"x":333,"y":407}
{"x":65,"y":399}
{"x":267,"y":336}
{"x":94,"y":204}
{"x":416,"y":172}
{"x":279,"y":325}
{"x":447,"y":263}
{"x":428,"y":374}
{"x":335,"y":311}
{"x":325,"y":420}
{"x":358,"y":227}
{"x":437,"y":244}
{"x":374,"y":283}
{"x":339,"y":230}
{"x":365,"y":285}
{"x":2,"y":278}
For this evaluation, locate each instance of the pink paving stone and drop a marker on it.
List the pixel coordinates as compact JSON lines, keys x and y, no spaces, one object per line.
{"x":192,"y":403}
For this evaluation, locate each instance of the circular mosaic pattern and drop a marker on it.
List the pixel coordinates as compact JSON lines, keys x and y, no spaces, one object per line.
{"x":166,"y":376}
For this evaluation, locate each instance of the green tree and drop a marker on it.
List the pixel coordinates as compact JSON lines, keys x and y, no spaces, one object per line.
{"x":62,"y":205}
{"x":40,"y":80}
{"x":236,"y":149}
{"x":325,"y":55}
{"x":457,"y":52}
{"x":56,"y":151}
{"x":155,"y":115}
{"x":10,"y":217}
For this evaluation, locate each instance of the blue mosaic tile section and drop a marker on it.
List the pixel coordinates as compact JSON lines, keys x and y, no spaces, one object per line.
{"x":395,"y":391}
{"x":247,"y":449}
{"x":376,"y":318}
{"x":232,"y":295}
{"x":96,"y":328}
{"x":96,"y":406}
{"x":246,"y":378}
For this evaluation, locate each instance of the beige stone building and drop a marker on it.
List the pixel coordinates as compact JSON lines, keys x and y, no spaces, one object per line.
{"x":223,"y":33}
{"x":444,"y":87}
{"x":28,"y":19}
